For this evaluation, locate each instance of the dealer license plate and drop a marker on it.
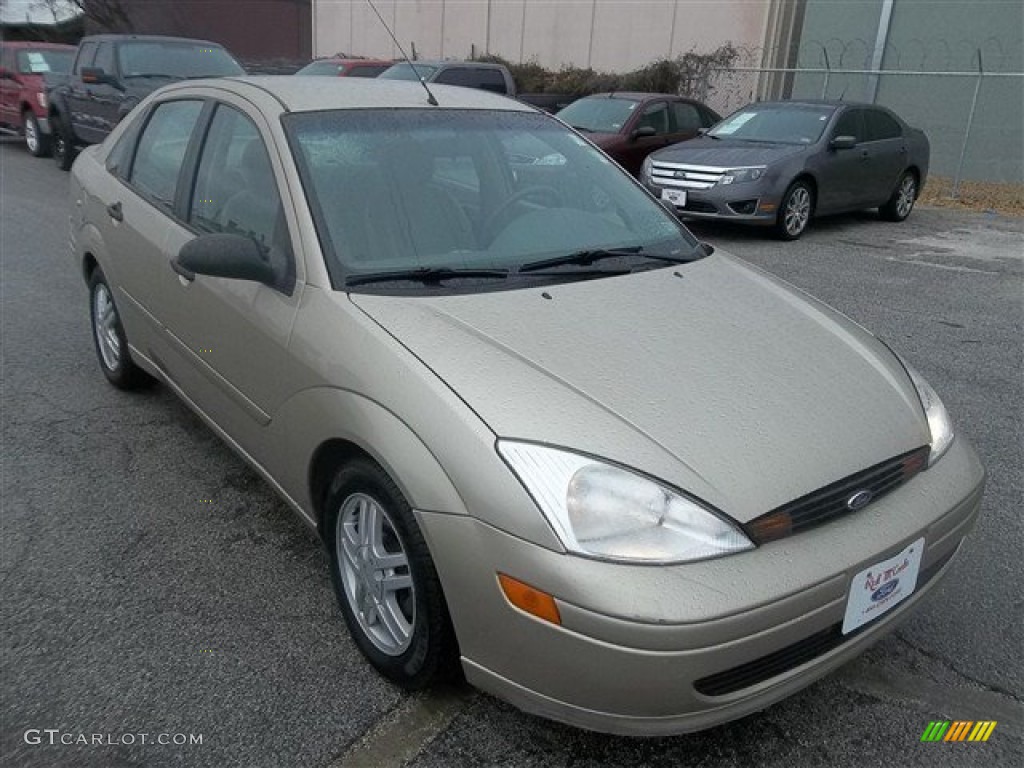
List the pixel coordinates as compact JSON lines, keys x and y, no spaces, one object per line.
{"x":675,"y":196}
{"x":883,"y":586}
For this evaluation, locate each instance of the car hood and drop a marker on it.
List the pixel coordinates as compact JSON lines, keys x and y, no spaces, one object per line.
{"x":722,"y":381}
{"x":726,"y":153}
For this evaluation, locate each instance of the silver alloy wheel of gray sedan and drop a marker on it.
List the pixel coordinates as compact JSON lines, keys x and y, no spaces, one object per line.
{"x":797,"y":211}
{"x":375,"y":572}
{"x":906,"y":196}
{"x":105,"y":327}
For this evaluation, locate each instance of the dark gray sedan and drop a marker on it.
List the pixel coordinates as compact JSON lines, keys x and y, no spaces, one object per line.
{"x":779,"y":164}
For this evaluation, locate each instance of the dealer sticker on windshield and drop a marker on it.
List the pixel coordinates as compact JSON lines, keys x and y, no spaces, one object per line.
{"x":674,"y":196}
{"x":883,"y":586}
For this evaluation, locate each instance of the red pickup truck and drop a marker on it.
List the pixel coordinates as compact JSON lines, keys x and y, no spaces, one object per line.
{"x":23,"y":102}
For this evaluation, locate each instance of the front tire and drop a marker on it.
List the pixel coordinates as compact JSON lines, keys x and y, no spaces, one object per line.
{"x":108,"y":336}
{"x":36,"y":142}
{"x":385,"y":579}
{"x":63,"y":143}
{"x":795,"y":211}
{"x":903,"y":198}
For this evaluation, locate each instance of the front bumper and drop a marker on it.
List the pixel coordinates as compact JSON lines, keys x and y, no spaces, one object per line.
{"x":638,"y":645}
{"x":753,"y":203}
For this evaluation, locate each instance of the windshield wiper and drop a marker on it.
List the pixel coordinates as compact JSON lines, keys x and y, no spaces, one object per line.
{"x":588,"y":257}
{"x":427,"y":275}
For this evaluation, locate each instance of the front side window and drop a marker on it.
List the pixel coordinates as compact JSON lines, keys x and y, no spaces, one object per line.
{"x":153,"y":59}
{"x":775,"y":123}
{"x":86,"y":53}
{"x":850,"y":123}
{"x":655,"y":116}
{"x":410,"y":189}
{"x":324,"y":68}
{"x":105,"y":58}
{"x":161,"y":150}
{"x":365,"y":70}
{"x":599,"y":114}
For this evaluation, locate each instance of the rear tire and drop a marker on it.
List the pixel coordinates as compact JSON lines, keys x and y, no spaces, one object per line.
{"x":36,"y":142}
{"x":385,"y":580}
{"x":795,"y":212}
{"x":108,"y":336}
{"x":903,"y":198}
{"x":63,"y":143}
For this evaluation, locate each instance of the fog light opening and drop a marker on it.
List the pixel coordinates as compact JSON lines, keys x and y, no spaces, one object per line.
{"x":744,"y":207}
{"x":528,"y":599}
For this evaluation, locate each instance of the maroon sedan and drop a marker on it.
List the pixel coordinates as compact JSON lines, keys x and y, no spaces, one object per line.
{"x":629,"y":126}
{"x":345,"y":67}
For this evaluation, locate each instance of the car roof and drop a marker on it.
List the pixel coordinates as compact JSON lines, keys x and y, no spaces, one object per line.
{"x":342,"y":60}
{"x":637,"y":96}
{"x":312,"y":94}
{"x":442,"y":63}
{"x":147,"y":39}
{"x":834,"y":103}
{"x":35,"y":44}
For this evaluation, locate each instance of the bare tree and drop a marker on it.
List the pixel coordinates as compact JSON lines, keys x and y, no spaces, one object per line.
{"x":108,"y":15}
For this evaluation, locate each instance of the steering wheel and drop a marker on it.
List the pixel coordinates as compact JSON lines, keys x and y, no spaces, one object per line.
{"x":540,"y":193}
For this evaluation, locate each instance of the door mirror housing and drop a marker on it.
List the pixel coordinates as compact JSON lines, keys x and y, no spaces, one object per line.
{"x":843,"y":142}
{"x":644,"y":131}
{"x":224,"y":255}
{"x":99,"y":76}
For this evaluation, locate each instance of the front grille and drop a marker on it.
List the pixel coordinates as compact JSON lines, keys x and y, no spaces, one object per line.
{"x":680,"y":176}
{"x":800,"y":652}
{"x":836,"y":499}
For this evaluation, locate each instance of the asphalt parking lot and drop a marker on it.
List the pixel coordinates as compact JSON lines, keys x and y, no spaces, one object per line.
{"x":152,"y":584}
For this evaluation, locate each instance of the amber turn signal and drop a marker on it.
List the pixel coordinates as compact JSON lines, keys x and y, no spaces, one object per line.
{"x":526,"y":598}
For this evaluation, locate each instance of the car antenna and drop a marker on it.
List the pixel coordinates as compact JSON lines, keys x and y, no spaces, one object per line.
{"x":430,"y":97}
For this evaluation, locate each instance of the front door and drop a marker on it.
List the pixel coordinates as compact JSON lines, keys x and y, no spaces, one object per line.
{"x":843,"y":174}
{"x":653,"y":116}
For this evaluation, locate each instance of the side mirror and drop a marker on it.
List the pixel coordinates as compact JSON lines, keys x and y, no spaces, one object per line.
{"x":706,"y":247}
{"x":702,"y":131}
{"x":843,"y":142}
{"x":644,"y":131}
{"x":97,"y":76}
{"x":223,"y":255}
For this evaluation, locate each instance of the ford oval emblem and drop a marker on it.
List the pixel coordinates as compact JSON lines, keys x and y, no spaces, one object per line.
{"x":680,"y":174}
{"x":884,"y":591}
{"x":859,"y":500}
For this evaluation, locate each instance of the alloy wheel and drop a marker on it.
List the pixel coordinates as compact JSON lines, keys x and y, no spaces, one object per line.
{"x":798,"y":211}
{"x":906,"y":196}
{"x":104,"y":322}
{"x":374,"y":569}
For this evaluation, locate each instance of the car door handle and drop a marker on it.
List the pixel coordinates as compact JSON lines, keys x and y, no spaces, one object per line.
{"x":184,"y":272}
{"x":115,"y":212}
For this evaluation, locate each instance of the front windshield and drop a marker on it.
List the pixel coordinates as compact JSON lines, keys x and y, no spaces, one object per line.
{"x":599,"y":114}
{"x":45,"y":60}
{"x":779,"y":124}
{"x":404,"y":71}
{"x":403,"y":189}
{"x":184,"y":60}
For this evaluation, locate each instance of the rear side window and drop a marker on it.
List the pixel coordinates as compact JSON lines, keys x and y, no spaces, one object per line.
{"x":161,"y":150}
{"x":881,"y":126}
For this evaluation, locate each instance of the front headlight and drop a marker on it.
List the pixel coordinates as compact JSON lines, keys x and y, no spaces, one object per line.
{"x":740,"y":175}
{"x":939,"y":423}
{"x":645,"y":169}
{"x":604,"y":511}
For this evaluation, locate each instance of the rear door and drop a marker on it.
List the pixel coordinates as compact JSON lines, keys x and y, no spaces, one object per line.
{"x":888,"y":154}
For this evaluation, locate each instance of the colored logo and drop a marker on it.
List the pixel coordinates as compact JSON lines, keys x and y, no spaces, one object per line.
{"x":859,"y":500}
{"x":884,"y":591}
{"x":958,"y":730}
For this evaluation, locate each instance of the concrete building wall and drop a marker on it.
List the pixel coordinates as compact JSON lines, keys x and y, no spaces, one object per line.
{"x":610,"y":35}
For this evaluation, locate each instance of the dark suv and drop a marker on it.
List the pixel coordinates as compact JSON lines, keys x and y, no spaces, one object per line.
{"x":112,"y":73}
